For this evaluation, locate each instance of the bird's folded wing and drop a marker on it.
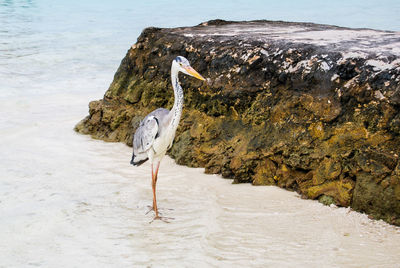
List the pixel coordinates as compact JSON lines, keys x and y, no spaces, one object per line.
{"x":145,"y":134}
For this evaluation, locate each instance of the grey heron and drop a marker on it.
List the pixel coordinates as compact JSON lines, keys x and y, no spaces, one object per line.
{"x":156,"y":131}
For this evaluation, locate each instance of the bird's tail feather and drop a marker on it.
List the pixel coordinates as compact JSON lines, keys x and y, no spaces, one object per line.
{"x":139,"y":159}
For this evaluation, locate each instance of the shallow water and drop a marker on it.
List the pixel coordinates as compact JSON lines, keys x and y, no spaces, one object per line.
{"x":67,"y":200}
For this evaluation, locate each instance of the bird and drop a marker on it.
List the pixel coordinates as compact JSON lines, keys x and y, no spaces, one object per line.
{"x":156,"y":132}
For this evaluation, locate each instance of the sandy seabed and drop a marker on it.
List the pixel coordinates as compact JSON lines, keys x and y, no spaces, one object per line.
{"x":69,"y":201}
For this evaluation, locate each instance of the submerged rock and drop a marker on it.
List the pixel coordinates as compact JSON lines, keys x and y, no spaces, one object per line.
{"x":311,"y":108}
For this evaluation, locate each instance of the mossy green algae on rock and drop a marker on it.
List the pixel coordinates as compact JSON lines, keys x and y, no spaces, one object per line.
{"x":307,"y":107}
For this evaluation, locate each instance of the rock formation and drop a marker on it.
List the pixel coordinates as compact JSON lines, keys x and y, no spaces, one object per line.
{"x":311,"y":108}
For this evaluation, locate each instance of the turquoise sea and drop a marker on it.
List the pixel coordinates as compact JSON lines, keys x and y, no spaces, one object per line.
{"x":48,"y":46}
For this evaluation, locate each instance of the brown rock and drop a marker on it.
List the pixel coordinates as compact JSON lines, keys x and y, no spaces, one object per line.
{"x":278,"y":107}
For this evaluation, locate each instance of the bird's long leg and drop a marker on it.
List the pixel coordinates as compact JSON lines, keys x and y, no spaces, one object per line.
{"x":154,"y":176}
{"x":153,"y":184}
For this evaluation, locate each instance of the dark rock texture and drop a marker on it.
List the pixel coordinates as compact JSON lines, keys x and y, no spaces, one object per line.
{"x":311,"y":108}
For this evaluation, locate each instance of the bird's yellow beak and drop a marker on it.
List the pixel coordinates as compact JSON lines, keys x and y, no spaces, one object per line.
{"x":194,"y":73}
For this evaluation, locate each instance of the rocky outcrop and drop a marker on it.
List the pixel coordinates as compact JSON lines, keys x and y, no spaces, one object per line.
{"x":311,"y":108}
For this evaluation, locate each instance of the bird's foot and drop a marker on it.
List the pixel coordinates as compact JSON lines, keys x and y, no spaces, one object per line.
{"x":152,"y":209}
{"x":164,"y":219}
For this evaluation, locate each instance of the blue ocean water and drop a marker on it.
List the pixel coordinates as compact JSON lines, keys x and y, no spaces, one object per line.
{"x":47,"y":46}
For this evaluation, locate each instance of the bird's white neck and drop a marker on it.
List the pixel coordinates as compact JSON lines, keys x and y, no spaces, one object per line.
{"x":178,"y":97}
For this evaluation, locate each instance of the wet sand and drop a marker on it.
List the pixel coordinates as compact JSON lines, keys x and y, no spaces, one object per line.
{"x":69,"y":201}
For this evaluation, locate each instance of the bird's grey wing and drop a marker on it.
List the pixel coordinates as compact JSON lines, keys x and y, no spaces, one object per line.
{"x":145,"y":134}
{"x":162,"y":116}
{"x":149,"y":129}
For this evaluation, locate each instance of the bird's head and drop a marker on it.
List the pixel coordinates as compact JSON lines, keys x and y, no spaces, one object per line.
{"x":183,"y":65}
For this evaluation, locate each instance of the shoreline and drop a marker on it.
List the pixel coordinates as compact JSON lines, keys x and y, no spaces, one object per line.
{"x":79,"y":202}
